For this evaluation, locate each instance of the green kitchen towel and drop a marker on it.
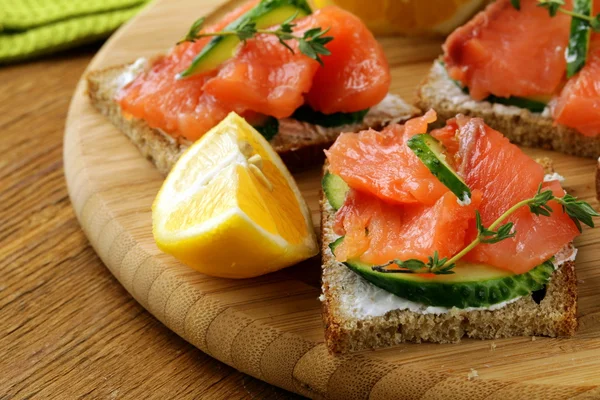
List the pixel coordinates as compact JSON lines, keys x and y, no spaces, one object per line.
{"x":30,"y":28}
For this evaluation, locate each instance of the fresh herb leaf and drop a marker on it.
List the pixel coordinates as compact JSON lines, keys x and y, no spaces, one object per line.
{"x":516,"y":4}
{"x":578,"y":210}
{"x":539,"y":203}
{"x":551,"y":5}
{"x":311,"y":43}
{"x":194,"y":31}
{"x":434,"y":265}
{"x":246,"y":30}
{"x":595,"y":23}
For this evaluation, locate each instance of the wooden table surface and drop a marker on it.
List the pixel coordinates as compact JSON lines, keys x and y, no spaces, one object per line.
{"x":68,"y":329}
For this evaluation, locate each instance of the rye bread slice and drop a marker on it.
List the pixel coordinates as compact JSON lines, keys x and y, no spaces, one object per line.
{"x":519,"y":125}
{"x":299,"y":144}
{"x":347,"y":329}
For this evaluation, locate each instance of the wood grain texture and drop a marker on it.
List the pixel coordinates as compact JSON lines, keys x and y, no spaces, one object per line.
{"x":68,"y":330}
{"x":270,"y":327}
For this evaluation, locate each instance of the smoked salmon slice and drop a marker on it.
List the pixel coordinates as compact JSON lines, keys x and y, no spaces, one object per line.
{"x":356,"y":75}
{"x":263,"y":78}
{"x":578,"y":105}
{"x":505,"y":175}
{"x":380,"y":163}
{"x":506,"y":52}
{"x":377,"y":232}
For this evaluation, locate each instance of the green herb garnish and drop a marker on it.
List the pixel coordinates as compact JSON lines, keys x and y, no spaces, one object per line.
{"x":311,"y":43}
{"x":555,"y":6}
{"x":578,"y":210}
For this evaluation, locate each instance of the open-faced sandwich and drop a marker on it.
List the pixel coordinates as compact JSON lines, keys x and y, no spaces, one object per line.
{"x":530,"y":68}
{"x":432,"y":237}
{"x":299,"y":77}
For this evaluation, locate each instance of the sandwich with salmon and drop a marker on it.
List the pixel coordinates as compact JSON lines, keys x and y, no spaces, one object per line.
{"x":300,"y":77}
{"x":432,"y":237}
{"x":530,"y":68}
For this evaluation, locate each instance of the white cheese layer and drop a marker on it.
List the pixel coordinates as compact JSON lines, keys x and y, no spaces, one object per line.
{"x":369,"y":300}
{"x":130,"y":72}
{"x":553,"y":177}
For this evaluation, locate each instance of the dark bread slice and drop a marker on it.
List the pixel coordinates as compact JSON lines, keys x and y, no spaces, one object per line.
{"x":347,"y":331}
{"x":299,"y":144}
{"x":519,"y":125}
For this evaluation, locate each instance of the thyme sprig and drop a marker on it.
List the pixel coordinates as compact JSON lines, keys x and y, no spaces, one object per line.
{"x":555,"y":6}
{"x":311,"y":43}
{"x":578,"y":210}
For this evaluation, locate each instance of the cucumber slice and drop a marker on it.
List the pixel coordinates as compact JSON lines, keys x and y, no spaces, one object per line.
{"x":268,"y":128}
{"x":307,"y":114}
{"x":533,"y":104}
{"x":265,"y":14}
{"x":335,"y":190}
{"x":433,"y":154}
{"x":579,"y":39}
{"x":472,"y":285}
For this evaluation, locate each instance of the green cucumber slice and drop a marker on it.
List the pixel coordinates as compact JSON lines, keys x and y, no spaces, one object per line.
{"x":579,"y":39}
{"x":265,"y":14}
{"x":307,"y":114}
{"x":536,"y":105}
{"x":433,"y":154}
{"x":269,"y":128}
{"x":335,"y":190}
{"x":472,"y":285}
{"x":532,"y":105}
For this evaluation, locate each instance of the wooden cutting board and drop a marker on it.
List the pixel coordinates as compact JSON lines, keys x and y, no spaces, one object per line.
{"x":270,"y":327}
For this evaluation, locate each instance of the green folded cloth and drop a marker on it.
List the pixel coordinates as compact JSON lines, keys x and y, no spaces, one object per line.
{"x":30,"y":28}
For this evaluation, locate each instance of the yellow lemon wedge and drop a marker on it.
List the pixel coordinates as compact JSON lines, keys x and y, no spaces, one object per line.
{"x":410,"y":17}
{"x":230,"y":208}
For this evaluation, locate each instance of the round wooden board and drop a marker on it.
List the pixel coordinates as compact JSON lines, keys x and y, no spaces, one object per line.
{"x":271,"y":327}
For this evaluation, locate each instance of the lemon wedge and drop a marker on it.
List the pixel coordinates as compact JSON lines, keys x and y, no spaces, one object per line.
{"x":230,"y":208}
{"x":410,"y":17}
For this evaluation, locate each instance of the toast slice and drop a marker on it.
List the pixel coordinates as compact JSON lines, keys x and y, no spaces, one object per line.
{"x":519,"y":125}
{"x":357,"y":315}
{"x":299,"y":144}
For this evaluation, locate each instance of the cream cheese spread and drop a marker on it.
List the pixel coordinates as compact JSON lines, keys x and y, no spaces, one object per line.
{"x":130,"y":72}
{"x":368,"y":300}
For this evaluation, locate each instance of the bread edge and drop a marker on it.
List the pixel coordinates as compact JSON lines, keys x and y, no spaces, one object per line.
{"x":521,"y":126}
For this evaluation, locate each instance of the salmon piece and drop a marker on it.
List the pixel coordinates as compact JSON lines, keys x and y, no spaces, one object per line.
{"x":178,"y":106}
{"x":506,"y":52}
{"x":578,"y":106}
{"x":380,"y":163}
{"x":377,"y":232}
{"x":356,"y":75}
{"x":447,"y":136}
{"x":505,"y":175}
{"x":265,"y":77}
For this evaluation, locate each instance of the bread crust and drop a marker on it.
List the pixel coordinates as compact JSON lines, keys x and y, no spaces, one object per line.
{"x":598,"y":180}
{"x":555,"y":315}
{"x":299,"y":144}
{"x":519,"y":125}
